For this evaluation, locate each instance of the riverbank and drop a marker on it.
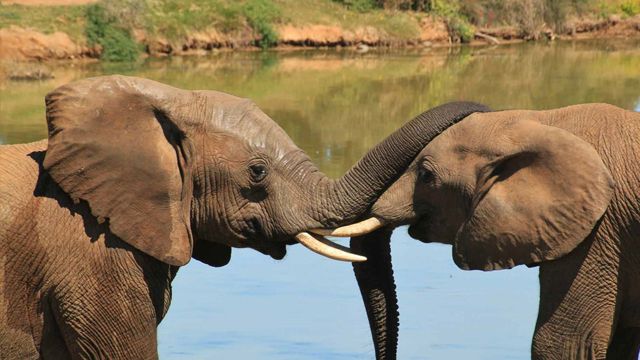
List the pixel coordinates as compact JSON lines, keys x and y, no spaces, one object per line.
{"x":124,"y":29}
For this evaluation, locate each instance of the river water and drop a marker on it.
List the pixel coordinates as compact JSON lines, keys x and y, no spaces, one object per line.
{"x":335,"y":105}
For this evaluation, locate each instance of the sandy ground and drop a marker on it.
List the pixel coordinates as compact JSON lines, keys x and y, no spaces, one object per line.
{"x":26,"y":44}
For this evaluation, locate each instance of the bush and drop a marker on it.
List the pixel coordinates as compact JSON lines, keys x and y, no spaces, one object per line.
{"x":459,"y":26}
{"x":106,"y":29}
{"x":261,"y":14}
{"x":630,"y":7}
{"x":359,"y":5}
{"x":530,"y":16}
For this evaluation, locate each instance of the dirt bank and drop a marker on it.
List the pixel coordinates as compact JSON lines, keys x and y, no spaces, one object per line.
{"x":26,"y":44}
{"x":289,"y":36}
{"x":323,"y":35}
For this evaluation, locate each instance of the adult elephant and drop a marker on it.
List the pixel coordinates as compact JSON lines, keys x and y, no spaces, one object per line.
{"x":136,"y":178}
{"x":558,"y":189}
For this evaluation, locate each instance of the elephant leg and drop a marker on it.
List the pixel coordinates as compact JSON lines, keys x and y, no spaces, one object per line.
{"x":113,"y":313}
{"x":578,"y":296}
{"x":111,"y":329}
{"x":625,"y":344}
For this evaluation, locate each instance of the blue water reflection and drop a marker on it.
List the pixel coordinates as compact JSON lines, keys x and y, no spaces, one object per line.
{"x":307,"y":307}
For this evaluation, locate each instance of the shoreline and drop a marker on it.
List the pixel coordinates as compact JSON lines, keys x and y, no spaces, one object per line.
{"x":29,"y":45}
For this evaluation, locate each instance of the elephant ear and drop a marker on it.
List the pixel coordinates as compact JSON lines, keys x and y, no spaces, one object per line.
{"x":536,"y":201}
{"x":117,"y":143}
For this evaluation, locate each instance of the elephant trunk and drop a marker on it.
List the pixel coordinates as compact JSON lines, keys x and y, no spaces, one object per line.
{"x":336,"y":202}
{"x":378,"y":290}
{"x":345,"y":199}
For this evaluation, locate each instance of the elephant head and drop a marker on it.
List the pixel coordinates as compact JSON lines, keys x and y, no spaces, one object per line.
{"x":179,"y":173}
{"x":504,"y":188}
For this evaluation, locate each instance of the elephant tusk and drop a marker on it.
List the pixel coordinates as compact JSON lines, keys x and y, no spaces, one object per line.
{"x":324,"y":247}
{"x":358,"y":229}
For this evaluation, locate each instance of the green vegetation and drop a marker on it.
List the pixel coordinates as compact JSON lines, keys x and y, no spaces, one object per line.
{"x":399,"y":25}
{"x":626,"y":7}
{"x":529,"y":16}
{"x":359,"y":5}
{"x":175,"y":19}
{"x":261,"y":14}
{"x":112,"y":32}
{"x":532,"y":16}
{"x":111,"y":24}
{"x":457,"y":21}
{"x":47,"y":19}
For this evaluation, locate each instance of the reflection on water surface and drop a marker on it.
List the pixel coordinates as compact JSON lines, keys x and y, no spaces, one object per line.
{"x":335,"y":105}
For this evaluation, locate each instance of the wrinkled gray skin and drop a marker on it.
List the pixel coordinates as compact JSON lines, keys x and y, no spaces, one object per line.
{"x":559,"y":189}
{"x":137,"y":177}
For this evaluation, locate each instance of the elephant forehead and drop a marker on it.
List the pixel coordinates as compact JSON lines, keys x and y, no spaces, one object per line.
{"x":244,"y":120}
{"x":479,"y":137}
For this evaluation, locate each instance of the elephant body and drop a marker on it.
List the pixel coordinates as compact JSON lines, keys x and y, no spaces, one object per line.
{"x":590,"y":298}
{"x":64,"y":293}
{"x":135,"y":179}
{"x":558,"y":189}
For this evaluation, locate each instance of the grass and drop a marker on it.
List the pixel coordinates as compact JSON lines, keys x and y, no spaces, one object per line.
{"x":401,"y":25}
{"x":175,"y":19}
{"x":112,"y":32}
{"x":46,"y":19}
{"x":627,"y":8}
{"x":261,"y":14}
{"x":111,"y":23}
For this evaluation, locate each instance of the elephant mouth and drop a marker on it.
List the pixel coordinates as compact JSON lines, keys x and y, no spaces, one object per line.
{"x":315,"y":241}
{"x":255,"y":236}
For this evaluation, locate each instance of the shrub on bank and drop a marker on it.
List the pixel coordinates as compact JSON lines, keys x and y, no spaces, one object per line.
{"x":530,"y":16}
{"x":261,"y":14}
{"x":105,"y":28}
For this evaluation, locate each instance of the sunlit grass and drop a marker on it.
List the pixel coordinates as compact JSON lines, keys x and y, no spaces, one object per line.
{"x":46,"y":19}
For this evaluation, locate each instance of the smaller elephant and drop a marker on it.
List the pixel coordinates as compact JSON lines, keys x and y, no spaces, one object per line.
{"x":558,"y":189}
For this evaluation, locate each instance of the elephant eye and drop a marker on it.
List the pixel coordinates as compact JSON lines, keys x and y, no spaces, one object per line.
{"x":258,"y":172}
{"x":425,"y":175}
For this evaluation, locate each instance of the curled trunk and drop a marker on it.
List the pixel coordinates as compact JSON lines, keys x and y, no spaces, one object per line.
{"x":343,"y":200}
{"x":378,"y":290}
{"x":377,"y":170}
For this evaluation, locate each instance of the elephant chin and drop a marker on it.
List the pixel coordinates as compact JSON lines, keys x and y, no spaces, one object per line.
{"x":420,"y":231}
{"x":277,"y":250}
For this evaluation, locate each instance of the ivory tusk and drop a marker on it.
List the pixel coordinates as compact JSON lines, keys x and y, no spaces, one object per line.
{"x":324,"y":247}
{"x":357,"y":229}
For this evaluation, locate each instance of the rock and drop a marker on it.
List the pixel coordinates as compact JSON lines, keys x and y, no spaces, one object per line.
{"x":614,"y":19}
{"x":159,"y":46}
{"x":362,"y":48}
{"x":29,"y":71}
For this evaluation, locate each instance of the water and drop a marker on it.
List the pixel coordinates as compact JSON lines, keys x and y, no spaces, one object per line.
{"x":335,"y":105}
